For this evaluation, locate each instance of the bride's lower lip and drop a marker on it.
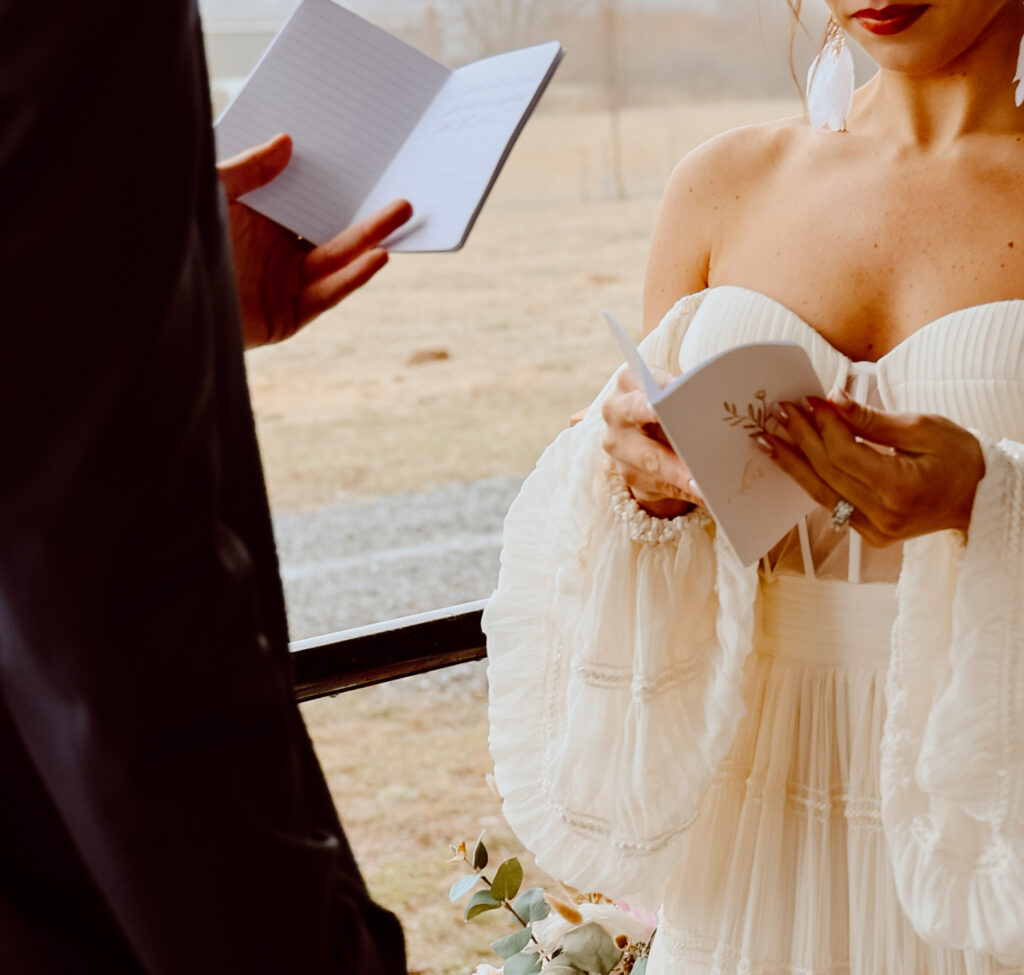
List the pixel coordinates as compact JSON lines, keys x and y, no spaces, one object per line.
{"x":892,"y":19}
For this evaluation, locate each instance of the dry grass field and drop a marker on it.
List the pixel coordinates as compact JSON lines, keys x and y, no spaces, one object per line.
{"x":456,"y":367}
{"x":463,"y":365}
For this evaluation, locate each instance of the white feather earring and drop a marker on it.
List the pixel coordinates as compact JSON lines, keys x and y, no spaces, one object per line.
{"x":830,"y":82}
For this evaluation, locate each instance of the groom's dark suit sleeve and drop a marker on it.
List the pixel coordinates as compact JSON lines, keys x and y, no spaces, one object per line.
{"x":161,"y":809}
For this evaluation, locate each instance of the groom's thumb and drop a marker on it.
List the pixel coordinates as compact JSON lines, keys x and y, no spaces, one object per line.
{"x":255,"y":167}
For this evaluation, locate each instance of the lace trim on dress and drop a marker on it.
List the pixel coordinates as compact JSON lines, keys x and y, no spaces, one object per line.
{"x":604,"y":829}
{"x":718,"y":958}
{"x":816,"y":805}
{"x":641,"y":688}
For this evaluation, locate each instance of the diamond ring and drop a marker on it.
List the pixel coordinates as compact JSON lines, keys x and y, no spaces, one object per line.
{"x":841,"y":514}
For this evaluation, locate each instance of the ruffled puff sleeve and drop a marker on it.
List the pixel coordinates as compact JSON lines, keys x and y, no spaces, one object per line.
{"x":616,"y":643}
{"x":953,"y":749}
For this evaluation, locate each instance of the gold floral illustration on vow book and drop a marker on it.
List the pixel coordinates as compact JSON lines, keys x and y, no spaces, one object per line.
{"x":755,"y":420}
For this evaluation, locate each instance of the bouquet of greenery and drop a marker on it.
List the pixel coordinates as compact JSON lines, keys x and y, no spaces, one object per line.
{"x":592,"y":936}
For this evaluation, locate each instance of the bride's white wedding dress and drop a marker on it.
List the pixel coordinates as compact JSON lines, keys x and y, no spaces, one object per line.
{"x":813,"y":776}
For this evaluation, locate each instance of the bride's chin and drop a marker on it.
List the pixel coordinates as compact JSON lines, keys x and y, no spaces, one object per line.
{"x":914,"y":60}
{"x":935,"y":39}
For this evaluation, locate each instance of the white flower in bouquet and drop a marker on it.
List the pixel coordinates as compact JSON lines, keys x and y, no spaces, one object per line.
{"x":597,"y":936}
{"x":551,"y":931}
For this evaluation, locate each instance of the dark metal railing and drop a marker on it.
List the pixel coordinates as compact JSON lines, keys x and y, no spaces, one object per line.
{"x":367,"y":655}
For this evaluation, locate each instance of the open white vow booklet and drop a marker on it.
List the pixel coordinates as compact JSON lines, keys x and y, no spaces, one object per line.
{"x":712,"y":416}
{"x":373,"y":119}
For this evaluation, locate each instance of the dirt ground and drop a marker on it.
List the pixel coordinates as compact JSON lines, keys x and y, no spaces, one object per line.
{"x":457,"y":367}
{"x":407,"y":767}
{"x":464,"y":365}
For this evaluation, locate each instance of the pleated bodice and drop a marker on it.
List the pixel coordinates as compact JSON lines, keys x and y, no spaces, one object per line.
{"x":967,"y":365}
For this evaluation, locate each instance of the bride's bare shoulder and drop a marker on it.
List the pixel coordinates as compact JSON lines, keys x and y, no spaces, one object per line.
{"x":707,"y":186}
{"x":739,"y":160}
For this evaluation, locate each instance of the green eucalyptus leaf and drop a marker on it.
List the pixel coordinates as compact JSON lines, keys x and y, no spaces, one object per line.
{"x":507,"y":880}
{"x":525,"y":963}
{"x":512,"y":944}
{"x":591,"y":949}
{"x":531,"y":906}
{"x":562,"y":968}
{"x":640,"y":966}
{"x":479,"y":856}
{"x":481,"y":901}
{"x":463,"y":886}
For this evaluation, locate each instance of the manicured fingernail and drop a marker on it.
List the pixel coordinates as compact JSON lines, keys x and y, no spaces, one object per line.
{"x":780,"y":414}
{"x":763,"y":443}
{"x":840,"y":397}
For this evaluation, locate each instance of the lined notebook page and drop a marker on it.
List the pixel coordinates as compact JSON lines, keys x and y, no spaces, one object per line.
{"x":454,"y":154}
{"x":349,"y":94}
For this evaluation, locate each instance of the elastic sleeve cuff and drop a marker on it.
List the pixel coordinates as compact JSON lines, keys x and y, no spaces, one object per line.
{"x":640,"y":525}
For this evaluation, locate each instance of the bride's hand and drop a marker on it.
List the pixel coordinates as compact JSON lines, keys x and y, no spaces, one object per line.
{"x":652,"y":470}
{"x":925,"y":482}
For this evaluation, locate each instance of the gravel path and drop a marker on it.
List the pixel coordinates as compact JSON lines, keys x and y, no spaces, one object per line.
{"x":347,"y":565}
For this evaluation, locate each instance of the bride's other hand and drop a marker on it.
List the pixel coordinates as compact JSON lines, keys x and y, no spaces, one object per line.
{"x":652,"y":470}
{"x":926,"y":482}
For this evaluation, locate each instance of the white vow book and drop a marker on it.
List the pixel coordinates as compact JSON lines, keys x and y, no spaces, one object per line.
{"x":712,"y":416}
{"x":373,"y":119}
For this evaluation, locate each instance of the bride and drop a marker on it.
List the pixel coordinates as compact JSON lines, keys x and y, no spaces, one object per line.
{"x":815,"y":765}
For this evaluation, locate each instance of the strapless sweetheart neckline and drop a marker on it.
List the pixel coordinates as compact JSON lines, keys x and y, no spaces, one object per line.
{"x":935,"y":323}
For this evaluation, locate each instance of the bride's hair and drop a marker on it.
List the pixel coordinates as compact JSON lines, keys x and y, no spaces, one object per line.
{"x":794,"y":25}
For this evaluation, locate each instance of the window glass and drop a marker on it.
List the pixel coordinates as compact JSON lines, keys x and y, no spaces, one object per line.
{"x":396,"y":430}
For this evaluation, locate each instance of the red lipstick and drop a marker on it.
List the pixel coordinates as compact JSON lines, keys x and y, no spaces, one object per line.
{"x":894,"y":19}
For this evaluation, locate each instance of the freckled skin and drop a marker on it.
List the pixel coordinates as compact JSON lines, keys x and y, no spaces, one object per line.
{"x":900,"y":220}
{"x":867,"y":235}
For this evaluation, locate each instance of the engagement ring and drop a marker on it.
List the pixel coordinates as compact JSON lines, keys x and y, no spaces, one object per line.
{"x":841,"y":514}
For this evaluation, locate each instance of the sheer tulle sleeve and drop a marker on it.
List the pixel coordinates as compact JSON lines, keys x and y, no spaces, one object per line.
{"x":616,"y":643}
{"x":953,"y":749}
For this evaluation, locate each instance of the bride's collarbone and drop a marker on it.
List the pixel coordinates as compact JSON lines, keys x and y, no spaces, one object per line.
{"x":887,"y":206}
{"x":866,"y":242}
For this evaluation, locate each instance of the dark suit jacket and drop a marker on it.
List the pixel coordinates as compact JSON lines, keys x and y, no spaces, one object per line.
{"x":161,"y":809}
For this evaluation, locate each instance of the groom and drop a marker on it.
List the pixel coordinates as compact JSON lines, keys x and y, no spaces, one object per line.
{"x":162,"y":809}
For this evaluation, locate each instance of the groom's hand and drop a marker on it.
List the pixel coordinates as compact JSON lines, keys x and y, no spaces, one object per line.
{"x":283,"y":281}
